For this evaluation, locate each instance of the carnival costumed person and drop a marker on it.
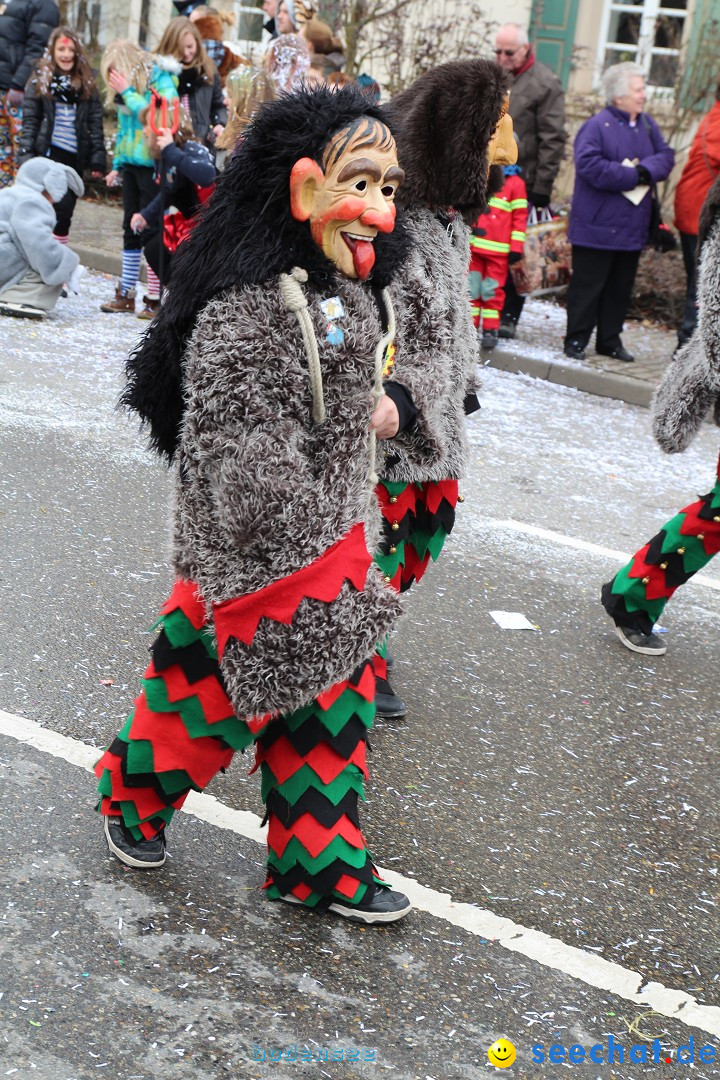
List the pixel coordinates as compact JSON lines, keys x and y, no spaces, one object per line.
{"x":450,"y":125}
{"x":689,"y":389}
{"x":259,"y":375}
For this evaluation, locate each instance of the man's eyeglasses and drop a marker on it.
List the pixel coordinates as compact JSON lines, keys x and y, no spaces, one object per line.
{"x":507,"y":52}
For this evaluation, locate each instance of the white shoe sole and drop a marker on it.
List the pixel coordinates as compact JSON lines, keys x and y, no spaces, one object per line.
{"x":353,"y":914}
{"x":128,"y":860}
{"x":639,"y":648}
{"x":17,"y":311}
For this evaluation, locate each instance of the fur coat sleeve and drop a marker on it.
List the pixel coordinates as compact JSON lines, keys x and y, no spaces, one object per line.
{"x":436,"y":357}
{"x":264,"y":492}
{"x":691,"y":383}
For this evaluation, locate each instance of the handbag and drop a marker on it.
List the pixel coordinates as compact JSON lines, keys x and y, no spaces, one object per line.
{"x":661,"y":238}
{"x":546,"y":264}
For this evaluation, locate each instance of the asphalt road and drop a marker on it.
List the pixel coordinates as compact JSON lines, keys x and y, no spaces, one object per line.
{"x":547,"y":775}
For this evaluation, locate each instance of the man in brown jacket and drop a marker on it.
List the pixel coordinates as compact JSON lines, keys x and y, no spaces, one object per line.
{"x":537,"y":108}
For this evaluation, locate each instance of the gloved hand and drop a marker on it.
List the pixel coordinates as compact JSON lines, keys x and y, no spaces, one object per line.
{"x":73,"y":283}
{"x":643,"y":175}
{"x":15,"y":97}
{"x":538,"y":199}
{"x":515,"y":257}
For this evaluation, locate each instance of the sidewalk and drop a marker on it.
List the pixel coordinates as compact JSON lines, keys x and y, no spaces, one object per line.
{"x":537,"y":350}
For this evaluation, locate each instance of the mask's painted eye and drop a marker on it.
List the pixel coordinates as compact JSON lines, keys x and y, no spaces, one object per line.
{"x":388,"y":191}
{"x":361,"y":185}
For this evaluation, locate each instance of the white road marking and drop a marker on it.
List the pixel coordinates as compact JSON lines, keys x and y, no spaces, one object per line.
{"x":620,"y":557}
{"x":545,"y":950}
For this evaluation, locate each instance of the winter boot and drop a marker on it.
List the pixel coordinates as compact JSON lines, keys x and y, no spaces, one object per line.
{"x":152,"y":304}
{"x":489,"y":340}
{"x":123,"y":301}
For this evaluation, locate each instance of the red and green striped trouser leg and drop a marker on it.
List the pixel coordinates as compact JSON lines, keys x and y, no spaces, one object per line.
{"x":639,"y":592}
{"x":417,"y":519}
{"x":183,"y":731}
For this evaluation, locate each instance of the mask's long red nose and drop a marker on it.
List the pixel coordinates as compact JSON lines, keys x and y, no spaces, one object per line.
{"x":382,"y":220}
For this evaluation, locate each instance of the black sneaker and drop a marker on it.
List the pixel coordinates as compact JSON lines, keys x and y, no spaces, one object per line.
{"x":382,"y":906}
{"x":575,"y":350}
{"x":387,"y":703}
{"x":636,"y":641}
{"x":508,"y":328}
{"x":142,"y":854}
{"x":618,"y":353}
{"x":489,"y":340}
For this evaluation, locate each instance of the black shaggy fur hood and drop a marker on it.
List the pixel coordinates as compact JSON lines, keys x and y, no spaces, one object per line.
{"x":247,"y":236}
{"x":442,"y":124}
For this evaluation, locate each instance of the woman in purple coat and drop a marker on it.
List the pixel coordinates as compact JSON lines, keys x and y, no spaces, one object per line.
{"x":617,"y":152}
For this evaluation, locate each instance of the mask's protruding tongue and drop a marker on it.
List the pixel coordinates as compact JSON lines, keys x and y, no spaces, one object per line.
{"x":363,"y":253}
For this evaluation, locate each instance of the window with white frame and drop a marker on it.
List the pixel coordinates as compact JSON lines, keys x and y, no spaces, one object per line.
{"x":649,"y":32}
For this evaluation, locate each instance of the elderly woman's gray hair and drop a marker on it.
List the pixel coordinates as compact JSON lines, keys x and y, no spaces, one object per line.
{"x":616,"y":80}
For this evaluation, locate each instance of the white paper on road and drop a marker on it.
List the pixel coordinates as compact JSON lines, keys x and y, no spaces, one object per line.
{"x":511,"y":620}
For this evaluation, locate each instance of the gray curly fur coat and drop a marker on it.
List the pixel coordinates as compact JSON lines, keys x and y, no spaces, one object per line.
{"x":443,"y":124}
{"x":436,"y":355}
{"x":690,"y":386}
{"x":262,"y":490}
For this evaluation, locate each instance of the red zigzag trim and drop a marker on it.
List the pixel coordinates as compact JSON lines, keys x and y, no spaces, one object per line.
{"x":347,"y":560}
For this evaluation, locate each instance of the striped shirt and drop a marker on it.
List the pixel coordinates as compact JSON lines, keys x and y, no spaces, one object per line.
{"x":64,"y":135}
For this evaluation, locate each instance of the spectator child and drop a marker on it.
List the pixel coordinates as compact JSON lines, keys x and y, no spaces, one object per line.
{"x":186,"y":175}
{"x":210,"y":24}
{"x":63,"y":117}
{"x":287,"y":62}
{"x":132,"y":76}
{"x":199,"y":85}
{"x":497,"y":241}
{"x":34,"y":265}
{"x":246,"y":88}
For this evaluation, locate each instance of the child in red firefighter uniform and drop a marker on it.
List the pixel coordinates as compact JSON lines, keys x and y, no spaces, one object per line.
{"x":497,"y":241}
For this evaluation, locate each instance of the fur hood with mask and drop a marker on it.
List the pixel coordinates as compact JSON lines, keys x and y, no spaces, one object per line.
{"x":443,"y":125}
{"x":246,"y":236}
{"x":690,"y":387}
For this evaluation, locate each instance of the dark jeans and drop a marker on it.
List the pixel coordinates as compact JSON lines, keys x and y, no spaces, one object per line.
{"x":64,"y":209}
{"x":599,"y":295}
{"x":138,"y":188}
{"x":689,"y":250}
{"x":514,"y":302}
{"x":158,"y":257}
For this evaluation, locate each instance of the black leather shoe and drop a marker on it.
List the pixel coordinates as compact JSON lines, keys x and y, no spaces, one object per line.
{"x":618,"y":353}
{"x":508,"y":329}
{"x":382,"y":905}
{"x":387,"y":703}
{"x":575,"y":350}
{"x":141,"y":854}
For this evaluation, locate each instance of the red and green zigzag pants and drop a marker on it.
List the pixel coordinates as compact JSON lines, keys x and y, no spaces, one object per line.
{"x":417,"y":519}
{"x":183,"y":731}
{"x":638,"y":593}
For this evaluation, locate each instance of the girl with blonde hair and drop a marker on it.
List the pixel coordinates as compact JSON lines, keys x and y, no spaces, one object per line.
{"x":199,"y":83}
{"x":134,"y":78}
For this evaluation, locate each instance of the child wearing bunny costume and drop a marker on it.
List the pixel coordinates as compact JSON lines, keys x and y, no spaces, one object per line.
{"x":34,"y":265}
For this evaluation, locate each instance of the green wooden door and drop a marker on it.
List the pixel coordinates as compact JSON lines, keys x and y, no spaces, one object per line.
{"x":700,"y":64}
{"x":552,"y":32}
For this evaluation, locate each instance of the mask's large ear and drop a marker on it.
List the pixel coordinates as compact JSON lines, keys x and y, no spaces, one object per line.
{"x":305,"y":179}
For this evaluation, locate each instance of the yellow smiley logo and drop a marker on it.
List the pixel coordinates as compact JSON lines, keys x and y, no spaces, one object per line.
{"x":502,"y":1054}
